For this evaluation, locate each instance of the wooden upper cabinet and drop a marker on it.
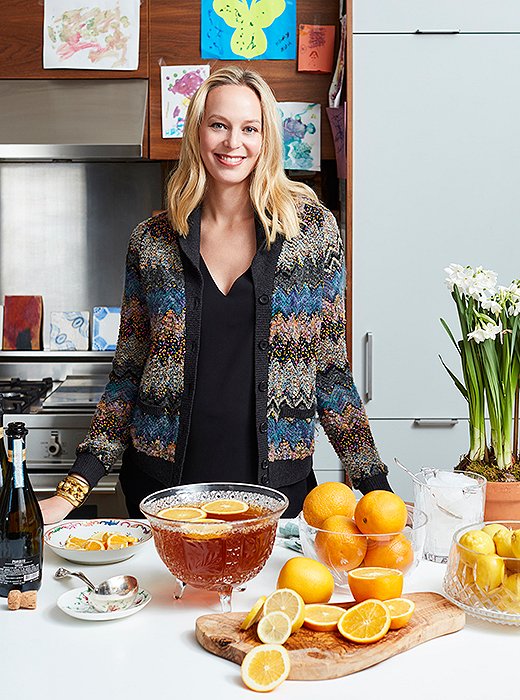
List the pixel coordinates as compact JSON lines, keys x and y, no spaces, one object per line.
{"x":21,"y":45}
{"x":175,"y":40}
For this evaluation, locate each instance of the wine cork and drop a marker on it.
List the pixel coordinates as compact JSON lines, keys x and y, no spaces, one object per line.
{"x":28,"y":600}
{"x":14,"y":599}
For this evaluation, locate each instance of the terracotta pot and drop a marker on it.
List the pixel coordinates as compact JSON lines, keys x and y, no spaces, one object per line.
{"x":502,"y":500}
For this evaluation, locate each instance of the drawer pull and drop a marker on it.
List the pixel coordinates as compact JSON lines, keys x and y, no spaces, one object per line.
{"x":433,"y":32}
{"x":435,"y":422}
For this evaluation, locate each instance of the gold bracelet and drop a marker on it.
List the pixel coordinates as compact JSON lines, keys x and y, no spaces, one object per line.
{"x":73,"y":490}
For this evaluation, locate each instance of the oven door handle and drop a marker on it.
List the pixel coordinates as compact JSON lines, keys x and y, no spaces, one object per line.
{"x":96,"y":489}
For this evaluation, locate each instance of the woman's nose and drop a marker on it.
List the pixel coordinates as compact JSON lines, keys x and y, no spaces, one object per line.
{"x":233,"y":138}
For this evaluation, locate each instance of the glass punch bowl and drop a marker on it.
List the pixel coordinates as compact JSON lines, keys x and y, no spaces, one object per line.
{"x":216,"y":555}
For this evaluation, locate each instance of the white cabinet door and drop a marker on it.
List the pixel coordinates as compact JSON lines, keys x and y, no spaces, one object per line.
{"x":436,"y":174}
{"x":427,"y":15}
{"x":327,"y":465}
{"x":439,"y":446}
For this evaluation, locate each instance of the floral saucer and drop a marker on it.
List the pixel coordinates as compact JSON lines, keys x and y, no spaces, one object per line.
{"x":75,"y":603}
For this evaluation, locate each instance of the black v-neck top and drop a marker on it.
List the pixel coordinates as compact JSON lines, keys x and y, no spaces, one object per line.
{"x":222,"y":442}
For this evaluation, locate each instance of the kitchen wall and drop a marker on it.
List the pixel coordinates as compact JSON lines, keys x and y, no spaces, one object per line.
{"x":64,"y":229}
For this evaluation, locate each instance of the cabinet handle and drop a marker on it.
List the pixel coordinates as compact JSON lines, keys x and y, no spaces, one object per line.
{"x":435,"y":422}
{"x":369,"y":341}
{"x":437,"y":31}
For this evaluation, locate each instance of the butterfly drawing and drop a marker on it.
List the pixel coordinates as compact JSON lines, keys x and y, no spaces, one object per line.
{"x":249,"y":21}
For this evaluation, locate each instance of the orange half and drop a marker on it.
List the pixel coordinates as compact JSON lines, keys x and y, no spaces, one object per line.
{"x":322,"y":618}
{"x":375,"y":582}
{"x":401,"y":611}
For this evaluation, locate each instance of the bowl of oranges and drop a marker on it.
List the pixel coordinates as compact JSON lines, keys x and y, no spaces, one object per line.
{"x":100,"y":541}
{"x":483,"y":572}
{"x":378,"y":531}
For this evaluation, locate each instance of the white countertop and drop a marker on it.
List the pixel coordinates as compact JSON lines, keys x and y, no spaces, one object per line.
{"x":154,"y":654}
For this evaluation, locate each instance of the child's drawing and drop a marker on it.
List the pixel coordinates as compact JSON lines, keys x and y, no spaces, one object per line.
{"x":301,"y":135}
{"x":99,"y":35}
{"x":178,"y":85}
{"x":248,"y":29}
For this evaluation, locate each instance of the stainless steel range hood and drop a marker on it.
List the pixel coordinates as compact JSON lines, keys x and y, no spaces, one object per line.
{"x":42,"y":120}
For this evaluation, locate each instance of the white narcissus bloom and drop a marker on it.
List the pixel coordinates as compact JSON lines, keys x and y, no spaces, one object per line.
{"x":479,"y":284}
{"x":487,"y":331}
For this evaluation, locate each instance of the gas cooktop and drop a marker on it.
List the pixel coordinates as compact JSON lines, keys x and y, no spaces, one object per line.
{"x":20,"y":394}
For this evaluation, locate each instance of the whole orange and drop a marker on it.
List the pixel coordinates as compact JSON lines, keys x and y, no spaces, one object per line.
{"x":308,"y":577}
{"x":330,"y":498}
{"x":380,"y":512}
{"x":342,"y":548}
{"x":393,"y":553}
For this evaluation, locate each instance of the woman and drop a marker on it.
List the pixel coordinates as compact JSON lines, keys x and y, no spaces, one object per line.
{"x":232,"y":330}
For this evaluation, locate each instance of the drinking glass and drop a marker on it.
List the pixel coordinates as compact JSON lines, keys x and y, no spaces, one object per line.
{"x":451,"y":500}
{"x":215,"y":555}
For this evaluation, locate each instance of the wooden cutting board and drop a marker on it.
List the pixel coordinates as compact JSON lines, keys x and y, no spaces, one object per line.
{"x":323,"y":655}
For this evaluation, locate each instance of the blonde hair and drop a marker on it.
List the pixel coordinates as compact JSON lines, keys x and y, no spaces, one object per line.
{"x":275,"y":198}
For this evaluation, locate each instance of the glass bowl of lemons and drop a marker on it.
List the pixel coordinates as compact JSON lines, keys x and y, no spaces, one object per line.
{"x":483,"y":572}
{"x":379,"y":531}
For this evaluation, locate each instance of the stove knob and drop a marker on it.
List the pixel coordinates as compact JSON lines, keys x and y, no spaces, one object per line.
{"x":54,"y":447}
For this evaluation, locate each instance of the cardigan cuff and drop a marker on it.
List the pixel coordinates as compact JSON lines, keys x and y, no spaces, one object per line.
{"x":89,"y":467}
{"x":375,"y":482}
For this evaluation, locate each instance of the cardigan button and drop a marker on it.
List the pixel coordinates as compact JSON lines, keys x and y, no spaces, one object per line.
{"x":265,"y":480}
{"x":263,"y":427}
{"x":262,"y":386}
{"x":263,"y":345}
{"x":196,"y":303}
{"x":263,"y":299}
{"x":264,"y":464}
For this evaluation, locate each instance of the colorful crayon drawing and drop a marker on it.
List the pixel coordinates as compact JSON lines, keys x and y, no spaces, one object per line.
{"x":301,"y":124}
{"x":248,"y":29}
{"x":178,"y":85}
{"x":100,"y":36}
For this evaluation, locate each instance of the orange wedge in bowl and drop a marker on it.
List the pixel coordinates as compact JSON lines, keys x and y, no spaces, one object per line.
{"x":93,"y":545}
{"x":183,"y":513}
{"x":365,"y":622}
{"x":322,"y":618}
{"x":401,"y":610}
{"x":116,"y":542}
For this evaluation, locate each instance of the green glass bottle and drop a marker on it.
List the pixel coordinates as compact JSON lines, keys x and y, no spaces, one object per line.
{"x":21,"y":522}
{"x":3,"y":453}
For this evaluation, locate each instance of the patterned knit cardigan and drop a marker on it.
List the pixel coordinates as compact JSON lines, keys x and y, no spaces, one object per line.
{"x":301,"y":367}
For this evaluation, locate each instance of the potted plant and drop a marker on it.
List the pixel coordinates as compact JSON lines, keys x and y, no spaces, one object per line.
{"x":489,"y":350}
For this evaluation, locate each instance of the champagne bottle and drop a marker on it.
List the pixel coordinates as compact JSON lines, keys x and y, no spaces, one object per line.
{"x":21,"y":522}
{"x":3,"y":453}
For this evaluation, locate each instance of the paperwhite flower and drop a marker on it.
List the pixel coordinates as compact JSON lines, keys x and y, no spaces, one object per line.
{"x":487,"y":331}
{"x":479,"y":284}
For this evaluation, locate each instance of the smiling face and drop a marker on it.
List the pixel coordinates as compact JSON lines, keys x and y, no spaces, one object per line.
{"x":231,"y":134}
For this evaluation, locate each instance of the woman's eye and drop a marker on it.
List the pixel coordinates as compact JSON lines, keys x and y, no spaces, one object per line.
{"x":251,"y":129}
{"x":217,"y":125}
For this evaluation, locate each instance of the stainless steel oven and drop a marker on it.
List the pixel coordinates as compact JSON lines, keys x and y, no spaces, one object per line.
{"x":57,"y":423}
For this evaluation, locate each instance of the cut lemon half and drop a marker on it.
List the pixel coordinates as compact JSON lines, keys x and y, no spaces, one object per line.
{"x":182,"y":513}
{"x":365,"y":622}
{"x":254,"y":614}
{"x":225,"y":506}
{"x":265,"y":667}
{"x":322,"y":618}
{"x":93,"y":544}
{"x":401,"y":610}
{"x":274,"y":628}
{"x":289,"y":602}
{"x":375,"y":582}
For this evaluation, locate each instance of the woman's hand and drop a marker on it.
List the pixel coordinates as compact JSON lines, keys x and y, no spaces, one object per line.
{"x":55,"y":509}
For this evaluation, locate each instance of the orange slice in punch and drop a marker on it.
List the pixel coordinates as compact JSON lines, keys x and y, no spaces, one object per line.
{"x":182,"y":513}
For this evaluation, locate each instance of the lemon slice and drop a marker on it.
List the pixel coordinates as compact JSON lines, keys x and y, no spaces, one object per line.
{"x":254,"y":614}
{"x":274,"y":628}
{"x":265,"y":667}
{"x":182,"y":513}
{"x":365,"y":622}
{"x":322,"y":618}
{"x":401,"y":610}
{"x":289,"y":602}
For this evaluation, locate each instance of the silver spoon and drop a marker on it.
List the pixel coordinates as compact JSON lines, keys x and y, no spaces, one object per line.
{"x":424,"y":485}
{"x":116,"y":593}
